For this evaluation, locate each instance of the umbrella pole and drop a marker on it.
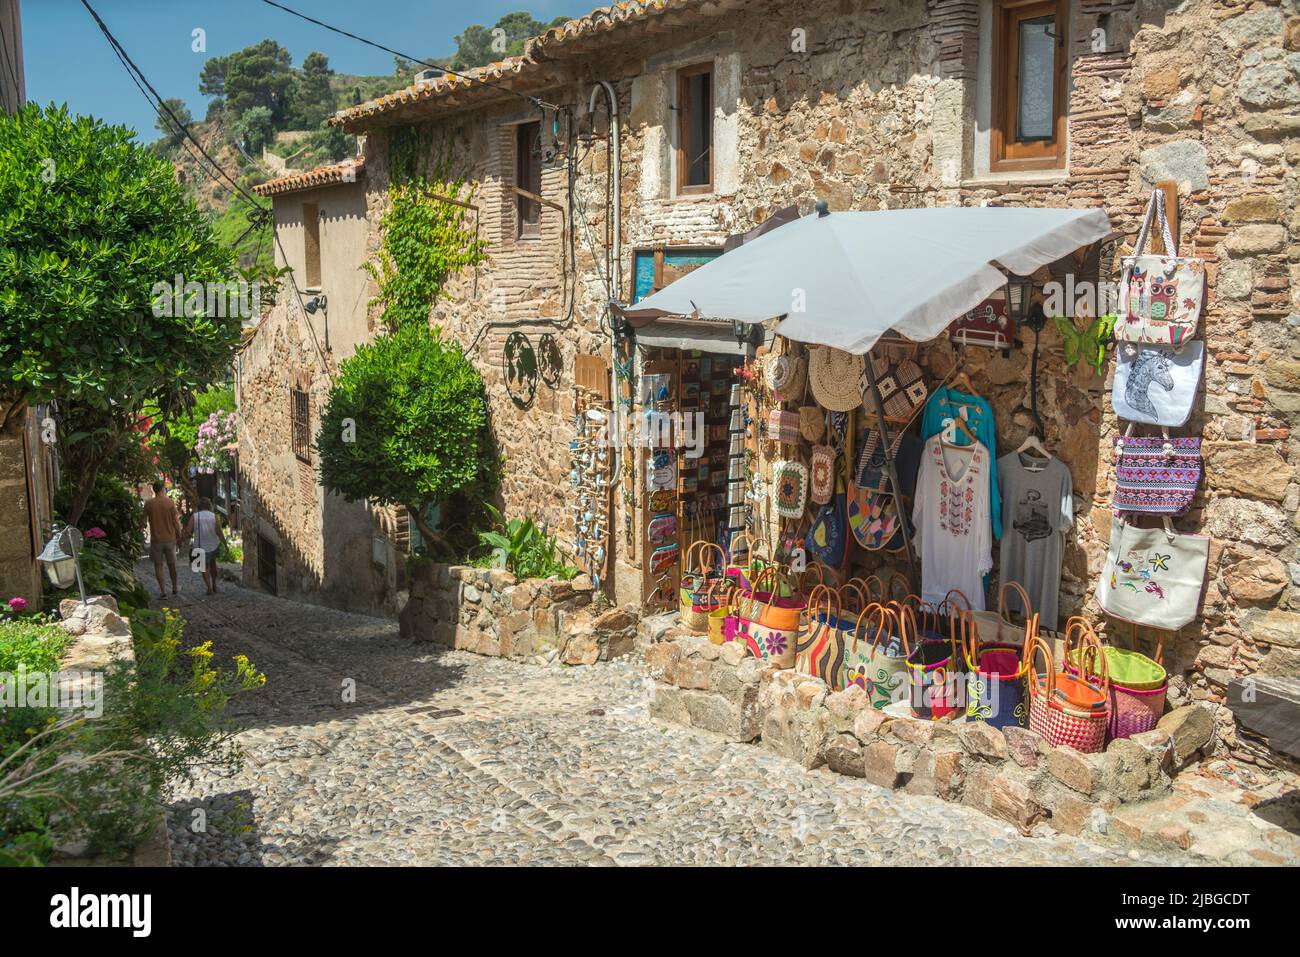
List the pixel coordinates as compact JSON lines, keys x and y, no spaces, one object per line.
{"x":890,"y":470}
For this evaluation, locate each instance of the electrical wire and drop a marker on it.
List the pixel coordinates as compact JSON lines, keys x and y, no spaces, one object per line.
{"x":183,"y":128}
{"x":536,"y":101}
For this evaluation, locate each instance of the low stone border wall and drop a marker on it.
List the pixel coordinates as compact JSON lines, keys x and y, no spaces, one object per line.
{"x":490,"y":612}
{"x":102,"y":637}
{"x":1013,"y":775}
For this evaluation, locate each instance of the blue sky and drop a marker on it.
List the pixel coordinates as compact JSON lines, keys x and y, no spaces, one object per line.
{"x":69,"y":60}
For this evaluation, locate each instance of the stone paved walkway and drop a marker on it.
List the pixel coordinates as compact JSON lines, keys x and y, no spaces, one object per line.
{"x":450,"y":758}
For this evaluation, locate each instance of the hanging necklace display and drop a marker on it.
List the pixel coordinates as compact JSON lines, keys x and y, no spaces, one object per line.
{"x":590,"y":478}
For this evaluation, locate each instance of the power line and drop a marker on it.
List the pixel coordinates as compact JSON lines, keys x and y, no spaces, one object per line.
{"x":536,"y":101}
{"x":184,"y":129}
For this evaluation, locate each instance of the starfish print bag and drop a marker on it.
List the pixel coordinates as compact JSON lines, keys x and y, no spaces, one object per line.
{"x":1153,"y":576}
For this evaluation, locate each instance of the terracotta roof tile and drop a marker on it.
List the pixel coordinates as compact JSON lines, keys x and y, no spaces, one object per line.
{"x":347,"y":171}
{"x":566,"y":39}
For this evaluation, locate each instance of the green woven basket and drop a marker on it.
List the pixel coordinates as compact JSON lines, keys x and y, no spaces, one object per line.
{"x":1128,"y":669}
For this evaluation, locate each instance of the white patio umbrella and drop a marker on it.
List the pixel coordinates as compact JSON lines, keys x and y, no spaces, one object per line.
{"x":845,"y":279}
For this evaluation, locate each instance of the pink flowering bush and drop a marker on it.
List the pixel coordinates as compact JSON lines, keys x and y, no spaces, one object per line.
{"x":95,"y":533}
{"x":17,"y":605}
{"x":214,"y":435}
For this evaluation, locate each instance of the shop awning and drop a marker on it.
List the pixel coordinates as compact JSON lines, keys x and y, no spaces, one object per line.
{"x":845,"y":279}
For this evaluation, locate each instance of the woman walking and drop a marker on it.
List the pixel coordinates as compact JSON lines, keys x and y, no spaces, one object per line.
{"x":208,"y":536}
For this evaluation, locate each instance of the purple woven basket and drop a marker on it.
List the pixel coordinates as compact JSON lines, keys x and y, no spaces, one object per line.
{"x":1132,"y":712}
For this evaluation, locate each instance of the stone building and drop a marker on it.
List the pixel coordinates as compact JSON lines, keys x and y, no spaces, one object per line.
{"x":28,"y":467}
{"x":875,"y":104}
{"x":298,"y":541}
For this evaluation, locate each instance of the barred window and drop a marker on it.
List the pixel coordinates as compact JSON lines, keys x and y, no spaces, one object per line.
{"x":300,"y":415}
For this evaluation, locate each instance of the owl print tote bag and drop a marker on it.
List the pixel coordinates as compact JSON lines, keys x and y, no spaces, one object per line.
{"x":1153,"y":576}
{"x":1160,"y":297}
{"x":1157,"y":385}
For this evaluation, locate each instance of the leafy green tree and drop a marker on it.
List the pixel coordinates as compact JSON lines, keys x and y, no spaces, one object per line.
{"x":90,"y":224}
{"x":480,"y":45}
{"x":259,"y":75}
{"x":164,"y":124}
{"x":255,"y":127}
{"x":405,"y":424}
{"x":313,"y":97}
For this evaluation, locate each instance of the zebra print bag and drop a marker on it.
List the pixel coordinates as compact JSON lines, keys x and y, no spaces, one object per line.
{"x":1157,"y":385}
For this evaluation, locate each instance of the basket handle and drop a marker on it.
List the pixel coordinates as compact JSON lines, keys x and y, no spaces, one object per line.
{"x":895,"y":578}
{"x":1040,"y":687}
{"x":870,"y":613}
{"x":903,"y":615}
{"x":833,"y":611}
{"x":1075,"y":624}
{"x":865,"y":585}
{"x":852,"y":586}
{"x":1002,"y":601}
{"x":1093,"y":666}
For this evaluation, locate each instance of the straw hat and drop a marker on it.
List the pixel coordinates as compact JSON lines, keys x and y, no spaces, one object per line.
{"x":833,"y":375}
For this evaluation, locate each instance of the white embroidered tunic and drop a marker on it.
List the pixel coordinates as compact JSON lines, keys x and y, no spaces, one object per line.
{"x":954,"y":532}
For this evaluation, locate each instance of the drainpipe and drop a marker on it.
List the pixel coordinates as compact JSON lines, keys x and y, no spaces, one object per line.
{"x":616,"y":270}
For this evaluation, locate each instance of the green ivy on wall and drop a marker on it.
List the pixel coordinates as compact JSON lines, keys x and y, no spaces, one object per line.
{"x":425,"y":239}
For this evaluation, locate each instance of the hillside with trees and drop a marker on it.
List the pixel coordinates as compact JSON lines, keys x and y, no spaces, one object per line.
{"x":259,"y":99}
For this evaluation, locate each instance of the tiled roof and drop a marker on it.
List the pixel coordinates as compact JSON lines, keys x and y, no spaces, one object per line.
{"x":529,"y":69}
{"x":347,"y":171}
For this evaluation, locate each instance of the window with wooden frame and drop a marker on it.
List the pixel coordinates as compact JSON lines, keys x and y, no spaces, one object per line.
{"x":528,"y":176}
{"x":300,"y":419}
{"x":695,"y":129}
{"x":311,"y":244}
{"x":1029,"y":79}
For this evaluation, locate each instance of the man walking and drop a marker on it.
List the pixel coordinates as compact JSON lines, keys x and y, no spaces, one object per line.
{"x":164,"y":530}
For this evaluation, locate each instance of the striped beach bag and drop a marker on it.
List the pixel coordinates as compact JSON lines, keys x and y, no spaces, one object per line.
{"x":1070,"y":711}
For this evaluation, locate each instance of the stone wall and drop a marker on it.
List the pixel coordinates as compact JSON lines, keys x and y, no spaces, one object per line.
{"x":1013,"y":774}
{"x":324,"y":544}
{"x":490,"y":612}
{"x":885,"y":108}
{"x":19,"y":574}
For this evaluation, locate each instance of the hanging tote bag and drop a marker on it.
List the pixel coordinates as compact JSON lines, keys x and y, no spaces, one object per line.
{"x":821,"y":486}
{"x":789,"y":488}
{"x":1156,"y":475}
{"x":1157,"y":385}
{"x":1153,"y":576}
{"x":1160,"y":297}
{"x":875,"y":657}
{"x":995,"y":681}
{"x":720,"y":591}
{"x":997,"y":627}
{"x":783,"y":427}
{"x":1138,"y":684}
{"x":828,"y":536}
{"x":901,"y":384}
{"x":1070,"y":712}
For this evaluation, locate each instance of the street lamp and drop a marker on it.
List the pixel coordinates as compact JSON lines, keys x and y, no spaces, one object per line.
{"x":60,"y":560}
{"x":1019,"y":291}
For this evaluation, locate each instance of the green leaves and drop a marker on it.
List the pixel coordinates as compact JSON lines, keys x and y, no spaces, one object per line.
{"x":418,"y":418}
{"x":92,"y":222}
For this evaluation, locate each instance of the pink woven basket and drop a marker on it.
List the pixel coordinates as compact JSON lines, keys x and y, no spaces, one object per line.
{"x":1133,"y":712}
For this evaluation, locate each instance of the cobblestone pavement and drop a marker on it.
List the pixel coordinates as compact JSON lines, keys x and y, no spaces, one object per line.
{"x":447,"y":757}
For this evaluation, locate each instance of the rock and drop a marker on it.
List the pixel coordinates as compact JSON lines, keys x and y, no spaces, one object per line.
{"x":1275,"y":628}
{"x":1256,"y":240}
{"x":867,"y":724}
{"x":1251,"y":208}
{"x":732,"y":653}
{"x":949,"y":770}
{"x":1072,"y":769}
{"x":690,"y":673}
{"x":1023,"y":745}
{"x":1283,"y":374}
{"x":844,"y":755}
{"x":1257,"y":579}
{"x":1183,"y":161}
{"x":1130,"y":772}
{"x":1191,"y":729}
{"x":1269,"y":86}
{"x":913,"y":731}
{"x":879,"y":764}
{"x":1257,"y":26}
{"x":1013,"y":801}
{"x":661,"y":658}
{"x":983,"y":740}
{"x":1246,"y":520}
{"x":847,"y":703}
{"x":1069,"y":812}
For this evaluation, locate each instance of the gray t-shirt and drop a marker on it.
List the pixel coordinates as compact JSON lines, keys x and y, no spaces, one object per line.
{"x":1037,"y":511}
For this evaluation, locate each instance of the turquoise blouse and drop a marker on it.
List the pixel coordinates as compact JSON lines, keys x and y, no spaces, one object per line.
{"x":943,"y":406}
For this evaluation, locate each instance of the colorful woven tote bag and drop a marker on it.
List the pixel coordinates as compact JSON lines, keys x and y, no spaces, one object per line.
{"x":1156,"y":475}
{"x":995,"y":679}
{"x":1069,"y":711}
{"x":875,"y":658}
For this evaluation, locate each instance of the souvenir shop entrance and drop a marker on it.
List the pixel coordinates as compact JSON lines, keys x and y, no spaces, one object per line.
{"x":689,"y":449}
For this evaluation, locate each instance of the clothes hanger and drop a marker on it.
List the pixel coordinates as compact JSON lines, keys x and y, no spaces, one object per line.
{"x":960,"y":423}
{"x":1034,"y":445}
{"x":961,"y":382}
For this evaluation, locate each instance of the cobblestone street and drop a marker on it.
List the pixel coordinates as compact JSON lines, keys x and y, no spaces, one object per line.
{"x":447,"y":757}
